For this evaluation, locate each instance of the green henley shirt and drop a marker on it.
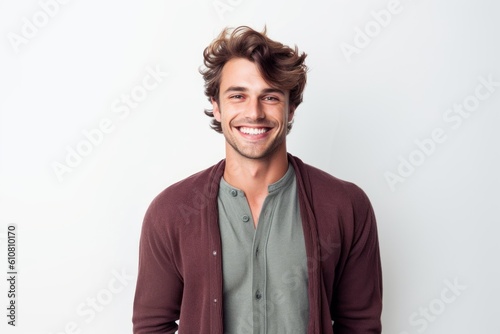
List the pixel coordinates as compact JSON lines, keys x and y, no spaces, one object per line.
{"x":264,"y":268}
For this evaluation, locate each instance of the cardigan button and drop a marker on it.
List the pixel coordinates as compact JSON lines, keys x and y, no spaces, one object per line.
{"x":214,"y":253}
{"x":215,"y":300}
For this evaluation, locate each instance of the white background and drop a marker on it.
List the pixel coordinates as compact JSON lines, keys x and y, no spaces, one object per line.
{"x":360,"y":115}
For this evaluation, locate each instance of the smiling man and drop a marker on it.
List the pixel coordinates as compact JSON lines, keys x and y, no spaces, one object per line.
{"x":260,"y":242}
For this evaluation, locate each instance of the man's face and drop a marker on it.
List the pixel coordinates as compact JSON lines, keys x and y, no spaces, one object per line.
{"x":254,"y":115}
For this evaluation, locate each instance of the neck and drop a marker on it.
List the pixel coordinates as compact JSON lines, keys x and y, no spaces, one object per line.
{"x":253,"y":176}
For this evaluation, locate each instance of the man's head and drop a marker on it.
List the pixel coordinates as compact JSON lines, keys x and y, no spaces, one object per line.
{"x":280,"y":66}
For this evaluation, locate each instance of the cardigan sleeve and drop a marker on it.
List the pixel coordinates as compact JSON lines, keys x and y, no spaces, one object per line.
{"x":159,"y":287}
{"x":357,"y":304}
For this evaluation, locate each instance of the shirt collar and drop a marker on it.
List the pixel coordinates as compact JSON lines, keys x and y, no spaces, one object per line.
{"x":282,"y":183}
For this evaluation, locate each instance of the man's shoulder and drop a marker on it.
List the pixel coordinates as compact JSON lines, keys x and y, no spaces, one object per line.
{"x":202,"y":184}
{"x":326,"y":185}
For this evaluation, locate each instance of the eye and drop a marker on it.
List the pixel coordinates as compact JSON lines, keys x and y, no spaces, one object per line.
{"x":236,"y":96}
{"x":271,"y":98}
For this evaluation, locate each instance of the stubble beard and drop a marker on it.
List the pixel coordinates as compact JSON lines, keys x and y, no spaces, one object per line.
{"x":254,"y":152}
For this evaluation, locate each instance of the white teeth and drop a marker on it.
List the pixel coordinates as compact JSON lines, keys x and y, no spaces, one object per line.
{"x":253,"y":131}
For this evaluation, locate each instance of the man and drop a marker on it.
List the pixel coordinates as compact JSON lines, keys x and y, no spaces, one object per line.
{"x":260,"y":242}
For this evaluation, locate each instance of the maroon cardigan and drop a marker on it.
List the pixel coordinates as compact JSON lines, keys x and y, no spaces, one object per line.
{"x":180,"y":264}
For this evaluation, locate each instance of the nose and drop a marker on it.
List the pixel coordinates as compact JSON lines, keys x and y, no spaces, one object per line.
{"x":254,"y":110}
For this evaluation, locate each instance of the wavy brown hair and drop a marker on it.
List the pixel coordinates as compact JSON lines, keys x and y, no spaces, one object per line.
{"x":279,"y":65}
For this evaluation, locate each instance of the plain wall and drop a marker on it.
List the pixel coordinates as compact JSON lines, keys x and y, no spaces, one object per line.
{"x":399,"y":104}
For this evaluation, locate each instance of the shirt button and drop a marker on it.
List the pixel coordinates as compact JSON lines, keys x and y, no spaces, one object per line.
{"x":234,"y":193}
{"x":258,"y":295}
{"x":245,"y":218}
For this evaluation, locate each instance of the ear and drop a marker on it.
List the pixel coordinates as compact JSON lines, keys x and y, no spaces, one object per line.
{"x":291,"y":113}
{"x":215,"y":109}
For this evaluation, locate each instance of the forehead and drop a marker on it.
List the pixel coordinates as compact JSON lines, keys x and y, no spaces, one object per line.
{"x":244,"y":73}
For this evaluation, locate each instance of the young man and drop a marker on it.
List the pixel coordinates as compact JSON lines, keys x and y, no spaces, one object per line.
{"x":260,"y":242}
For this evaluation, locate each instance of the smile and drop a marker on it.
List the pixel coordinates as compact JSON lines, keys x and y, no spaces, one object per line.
{"x":253,"y":131}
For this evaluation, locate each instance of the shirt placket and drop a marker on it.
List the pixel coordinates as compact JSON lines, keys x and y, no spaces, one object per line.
{"x":259,"y":265}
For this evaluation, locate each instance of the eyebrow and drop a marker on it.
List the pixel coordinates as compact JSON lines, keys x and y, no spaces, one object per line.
{"x":244,"y":89}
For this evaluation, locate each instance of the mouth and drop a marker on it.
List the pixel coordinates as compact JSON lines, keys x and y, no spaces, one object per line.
{"x":253,"y":131}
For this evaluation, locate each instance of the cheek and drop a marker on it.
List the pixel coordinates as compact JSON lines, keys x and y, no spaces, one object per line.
{"x":282,"y":116}
{"x":227,"y":113}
